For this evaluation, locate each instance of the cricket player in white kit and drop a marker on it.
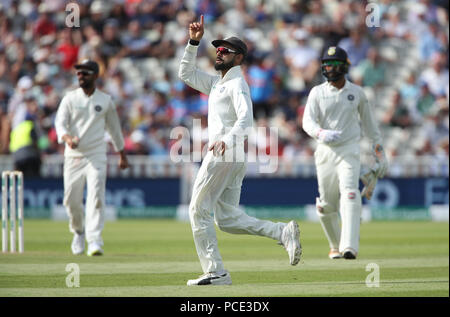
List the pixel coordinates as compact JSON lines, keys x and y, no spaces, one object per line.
{"x":81,"y":121}
{"x":217,"y":186}
{"x":334,"y":115}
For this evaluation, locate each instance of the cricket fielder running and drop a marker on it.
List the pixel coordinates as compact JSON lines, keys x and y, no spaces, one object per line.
{"x":81,"y":121}
{"x":334,"y":112}
{"x":217,"y":186}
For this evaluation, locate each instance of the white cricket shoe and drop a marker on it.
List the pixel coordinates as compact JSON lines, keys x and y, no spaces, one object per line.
{"x":290,"y":239}
{"x":212,"y":279}
{"x":78,"y":244}
{"x":334,"y":254}
{"x":94,"y":248}
{"x":349,"y":254}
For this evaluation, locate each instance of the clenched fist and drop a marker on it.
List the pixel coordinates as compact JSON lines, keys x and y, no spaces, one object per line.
{"x":71,"y":141}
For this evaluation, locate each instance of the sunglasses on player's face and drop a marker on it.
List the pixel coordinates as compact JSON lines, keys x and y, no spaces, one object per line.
{"x":224,"y":50}
{"x":85,"y":72}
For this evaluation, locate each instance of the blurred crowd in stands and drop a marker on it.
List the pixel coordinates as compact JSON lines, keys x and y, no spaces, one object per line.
{"x":398,"y":52}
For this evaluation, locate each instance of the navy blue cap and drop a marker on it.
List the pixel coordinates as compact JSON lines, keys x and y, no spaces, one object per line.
{"x":335,"y":53}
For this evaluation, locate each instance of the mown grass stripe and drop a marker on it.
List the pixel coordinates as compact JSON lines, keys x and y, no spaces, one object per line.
{"x":395,"y":288}
{"x":190,"y":266}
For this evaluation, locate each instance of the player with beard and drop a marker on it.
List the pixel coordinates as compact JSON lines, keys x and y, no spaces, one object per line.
{"x":81,"y":121}
{"x":217,"y":186}
{"x":334,"y":114}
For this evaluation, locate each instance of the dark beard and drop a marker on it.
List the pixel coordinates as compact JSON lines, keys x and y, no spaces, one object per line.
{"x":334,"y":76}
{"x":86,"y":85}
{"x":224,"y":66}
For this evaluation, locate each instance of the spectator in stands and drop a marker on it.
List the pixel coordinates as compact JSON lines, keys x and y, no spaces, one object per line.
{"x":436,"y":126}
{"x":433,"y":13}
{"x":111,"y":46}
{"x":211,"y":10}
{"x":436,"y":75}
{"x":4,"y":122}
{"x":410,"y":90}
{"x":355,"y":14}
{"x":302,"y":62}
{"x":394,"y":27}
{"x":44,"y":25}
{"x":425,"y":100}
{"x":121,"y":90}
{"x":356,"y":45}
{"x":139,"y":145}
{"x":179,"y":103}
{"x":397,"y":114}
{"x":136,"y":45}
{"x":373,"y":69}
{"x":24,"y":140}
{"x":238,"y":18}
{"x":91,"y":43}
{"x":337,"y":30}
{"x":431,"y":42}
{"x":67,"y":49}
{"x":261,"y":82}
{"x":316,"y":22}
{"x":294,"y":14}
{"x":16,"y":106}
{"x":97,"y":12}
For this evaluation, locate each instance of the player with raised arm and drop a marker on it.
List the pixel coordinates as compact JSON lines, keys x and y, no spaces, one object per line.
{"x":217,"y":186}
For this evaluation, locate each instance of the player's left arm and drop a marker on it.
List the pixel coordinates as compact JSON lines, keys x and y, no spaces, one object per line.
{"x":371,"y":130}
{"x":310,"y":116}
{"x":112,"y":124}
{"x":243,"y":108}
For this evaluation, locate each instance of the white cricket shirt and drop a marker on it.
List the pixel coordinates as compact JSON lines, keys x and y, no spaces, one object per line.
{"x":230,"y":109}
{"x":88,"y":117}
{"x":346,"y":110}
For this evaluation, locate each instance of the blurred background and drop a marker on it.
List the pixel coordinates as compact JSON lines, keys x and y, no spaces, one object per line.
{"x":398,"y":51}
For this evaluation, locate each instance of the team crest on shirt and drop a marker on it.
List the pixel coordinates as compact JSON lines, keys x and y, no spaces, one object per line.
{"x":222,"y":90}
{"x":350,"y":97}
{"x":98,"y":108}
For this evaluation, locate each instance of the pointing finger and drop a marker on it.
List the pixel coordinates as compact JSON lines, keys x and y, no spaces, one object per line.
{"x":201,"y":20}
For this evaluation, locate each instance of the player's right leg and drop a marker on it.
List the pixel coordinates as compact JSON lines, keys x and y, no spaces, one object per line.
{"x":209,"y":183}
{"x":328,"y":202}
{"x":74,"y":182}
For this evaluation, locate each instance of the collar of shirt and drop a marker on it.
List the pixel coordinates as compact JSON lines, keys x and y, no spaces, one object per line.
{"x":233,"y":72}
{"x":86,"y":95}
{"x":334,"y":89}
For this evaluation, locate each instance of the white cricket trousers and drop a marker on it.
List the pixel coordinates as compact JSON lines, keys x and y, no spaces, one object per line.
{"x":79,"y":171}
{"x":217,"y":189}
{"x":338,"y":179}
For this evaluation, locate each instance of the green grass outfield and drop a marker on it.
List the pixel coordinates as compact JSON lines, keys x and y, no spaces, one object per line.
{"x":155,"y":258}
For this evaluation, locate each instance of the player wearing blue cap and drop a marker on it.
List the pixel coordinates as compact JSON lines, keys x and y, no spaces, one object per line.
{"x":334,"y":115}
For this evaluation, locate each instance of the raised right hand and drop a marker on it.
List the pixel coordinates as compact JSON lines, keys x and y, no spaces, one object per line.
{"x":196,"y":30}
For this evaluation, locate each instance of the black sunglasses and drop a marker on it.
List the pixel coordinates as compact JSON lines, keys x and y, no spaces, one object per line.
{"x":85,"y":72}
